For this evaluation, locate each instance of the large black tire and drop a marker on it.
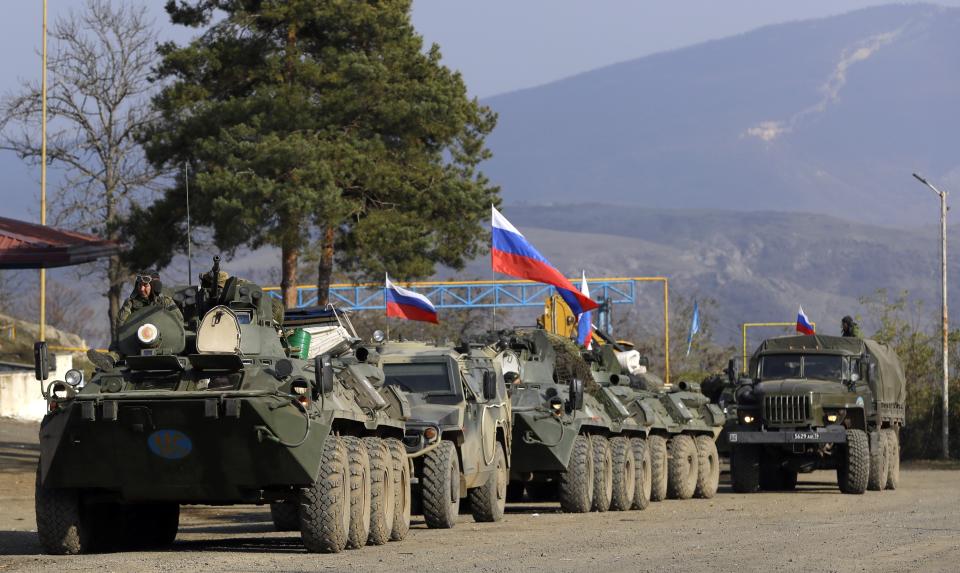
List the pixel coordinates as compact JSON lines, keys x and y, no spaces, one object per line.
{"x":624,"y":474}
{"x":440,"y":486}
{"x":576,"y":482}
{"x":325,"y":505}
{"x":745,"y":468}
{"x":359,"y":492}
{"x":658,"y":467}
{"x":285,"y":515}
{"x":381,"y":491}
{"x":602,"y":473}
{"x":683,"y":467}
{"x":853,"y":471}
{"x":402,"y":498}
{"x":488,"y":501}
{"x":61,"y":525}
{"x":893,"y":458}
{"x":878,"y":464}
{"x":641,"y":462}
{"x":708,"y":467}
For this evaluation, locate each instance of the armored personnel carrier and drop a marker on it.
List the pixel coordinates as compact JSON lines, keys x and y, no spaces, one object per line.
{"x":819,"y":402}
{"x":212,"y":410}
{"x":565,"y":443}
{"x":459,"y":431}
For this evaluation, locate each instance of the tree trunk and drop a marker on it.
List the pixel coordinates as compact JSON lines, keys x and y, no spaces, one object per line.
{"x":325,"y":268}
{"x":288,"y":282}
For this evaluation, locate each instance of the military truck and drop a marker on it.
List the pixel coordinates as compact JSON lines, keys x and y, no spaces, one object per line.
{"x":819,"y":402}
{"x":211,"y":410}
{"x":459,"y":431}
{"x":565,"y":444}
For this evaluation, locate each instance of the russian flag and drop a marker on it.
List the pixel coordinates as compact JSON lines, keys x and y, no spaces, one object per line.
{"x":803,"y":323}
{"x":403,"y":303}
{"x":511,"y":254}
{"x":584,"y":326}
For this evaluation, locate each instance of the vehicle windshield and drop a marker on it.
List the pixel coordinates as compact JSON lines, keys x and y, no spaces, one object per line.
{"x":816,"y":366}
{"x":419,"y":377}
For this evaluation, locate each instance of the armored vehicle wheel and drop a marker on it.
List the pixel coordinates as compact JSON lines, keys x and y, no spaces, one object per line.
{"x":745,"y":468}
{"x":878,"y":464}
{"x":401,"y":489}
{"x":893,"y":455}
{"x":641,"y":462}
{"x":708,"y":467}
{"x":488,"y":501}
{"x":285,"y":515}
{"x":152,"y":526}
{"x":576,"y":483}
{"x":515,"y":492}
{"x":381,"y":491}
{"x":682,"y":470}
{"x":359,"y":492}
{"x":62,"y":528}
{"x":325,"y":505}
{"x":440,"y":486}
{"x":624,"y":474}
{"x":853,"y":472}
{"x":658,"y":467}
{"x":602,"y":473}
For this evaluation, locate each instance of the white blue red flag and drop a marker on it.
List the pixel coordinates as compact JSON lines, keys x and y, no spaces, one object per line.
{"x":513,"y":255}
{"x":803,"y":323}
{"x":584,"y":325}
{"x":403,"y":303}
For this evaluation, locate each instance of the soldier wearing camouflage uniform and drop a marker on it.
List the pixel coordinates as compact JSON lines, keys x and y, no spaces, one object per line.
{"x":147,"y":291}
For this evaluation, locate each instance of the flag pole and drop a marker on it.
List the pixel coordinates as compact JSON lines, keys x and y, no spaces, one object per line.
{"x":493,"y":273}
{"x":386,"y":317}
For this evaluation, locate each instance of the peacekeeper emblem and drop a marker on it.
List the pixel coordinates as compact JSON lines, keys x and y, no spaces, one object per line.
{"x":170,"y":444}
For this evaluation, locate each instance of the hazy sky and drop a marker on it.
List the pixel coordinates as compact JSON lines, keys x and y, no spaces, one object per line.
{"x":499,"y":45}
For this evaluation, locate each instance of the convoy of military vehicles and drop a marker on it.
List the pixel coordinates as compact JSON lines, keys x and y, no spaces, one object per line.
{"x":344,"y":439}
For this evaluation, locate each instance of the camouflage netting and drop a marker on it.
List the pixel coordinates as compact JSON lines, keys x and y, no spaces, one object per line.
{"x":570,"y":363}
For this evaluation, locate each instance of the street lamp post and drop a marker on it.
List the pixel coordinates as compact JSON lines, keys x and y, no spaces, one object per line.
{"x":943,"y":307}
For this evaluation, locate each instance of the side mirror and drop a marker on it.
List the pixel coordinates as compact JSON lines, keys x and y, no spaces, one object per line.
{"x":283,"y":368}
{"x":733,"y":370}
{"x":323,"y":373}
{"x":41,"y":360}
{"x":489,"y":384}
{"x":576,"y":395}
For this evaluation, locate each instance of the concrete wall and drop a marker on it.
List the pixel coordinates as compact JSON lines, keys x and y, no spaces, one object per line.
{"x":20,"y":395}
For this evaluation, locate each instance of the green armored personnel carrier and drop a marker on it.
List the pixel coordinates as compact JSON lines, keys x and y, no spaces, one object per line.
{"x":819,"y":402}
{"x":566,"y":444}
{"x":211,"y":410}
{"x":459,"y":431}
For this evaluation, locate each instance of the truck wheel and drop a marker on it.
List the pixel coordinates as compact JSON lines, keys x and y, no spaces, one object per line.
{"x":893,"y":457}
{"x":381,"y":491}
{"x":708,"y":467}
{"x":624,"y":474}
{"x":658,"y":467}
{"x":359,"y":492}
{"x":285,"y":515}
{"x":853,"y":472}
{"x":401,"y":489}
{"x":641,"y":462}
{"x":602,"y":473}
{"x":488,"y":501}
{"x":325,"y":505}
{"x":745,"y":468}
{"x":576,"y":482}
{"x":440,"y":486}
{"x":61,"y":527}
{"x":683,"y":467}
{"x":878,"y":464}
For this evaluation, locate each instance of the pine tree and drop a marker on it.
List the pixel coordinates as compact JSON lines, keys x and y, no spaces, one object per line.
{"x":320,"y":122}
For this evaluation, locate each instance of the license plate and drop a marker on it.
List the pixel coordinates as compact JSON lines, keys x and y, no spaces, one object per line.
{"x":805,"y":436}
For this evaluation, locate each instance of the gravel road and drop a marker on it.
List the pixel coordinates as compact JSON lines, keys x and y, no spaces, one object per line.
{"x":916,"y":528}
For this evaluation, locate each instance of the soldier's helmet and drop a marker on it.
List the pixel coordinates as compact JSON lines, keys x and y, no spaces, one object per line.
{"x":848,"y":322}
{"x":151,"y":277}
{"x":206,"y":279}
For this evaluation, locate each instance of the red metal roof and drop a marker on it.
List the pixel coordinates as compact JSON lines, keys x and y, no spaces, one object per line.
{"x":30,"y":246}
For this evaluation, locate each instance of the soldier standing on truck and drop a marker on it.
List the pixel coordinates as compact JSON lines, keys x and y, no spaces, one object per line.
{"x":850,"y":328}
{"x":146,"y":292}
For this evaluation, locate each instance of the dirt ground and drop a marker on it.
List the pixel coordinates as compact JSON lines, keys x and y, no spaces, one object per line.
{"x":915,"y":528}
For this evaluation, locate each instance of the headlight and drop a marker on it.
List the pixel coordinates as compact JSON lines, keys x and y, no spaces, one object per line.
{"x":300,"y":387}
{"x":556,"y":403}
{"x":147,"y":334}
{"x":836,"y":417}
{"x":430,"y":434}
{"x":73,"y":377}
{"x":748,"y":419}
{"x":379,"y":336}
{"x":59,"y":391}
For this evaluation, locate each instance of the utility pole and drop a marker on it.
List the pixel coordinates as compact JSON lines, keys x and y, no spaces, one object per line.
{"x":186,"y":183}
{"x":43,"y":171}
{"x":943,"y":308}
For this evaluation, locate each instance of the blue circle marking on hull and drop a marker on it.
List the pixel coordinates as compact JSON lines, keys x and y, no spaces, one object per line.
{"x":170,"y":444}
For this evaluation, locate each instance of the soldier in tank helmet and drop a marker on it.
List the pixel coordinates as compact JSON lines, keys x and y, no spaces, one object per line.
{"x":206,"y":282}
{"x":147,"y":291}
{"x":850,"y":328}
